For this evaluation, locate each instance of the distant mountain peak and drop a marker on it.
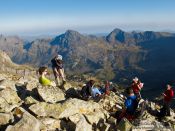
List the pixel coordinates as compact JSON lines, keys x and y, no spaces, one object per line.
{"x":72,"y":32}
{"x":116,"y":36}
{"x":117,"y":30}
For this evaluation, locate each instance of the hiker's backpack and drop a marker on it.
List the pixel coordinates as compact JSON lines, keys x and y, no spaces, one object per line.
{"x":85,"y":91}
{"x":135,"y":104}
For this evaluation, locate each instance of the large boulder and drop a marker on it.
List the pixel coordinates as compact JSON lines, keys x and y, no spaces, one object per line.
{"x":79,"y":123}
{"x":82,"y":125}
{"x":10,"y":96}
{"x":29,"y":81}
{"x":43,"y":109}
{"x":94,"y":117}
{"x":30,"y":100}
{"x":5,"y":83}
{"x":5,"y":107}
{"x":5,"y":118}
{"x":74,"y":106}
{"x":51,"y":94}
{"x":67,"y":109}
{"x":26,"y":123}
{"x":50,"y":124}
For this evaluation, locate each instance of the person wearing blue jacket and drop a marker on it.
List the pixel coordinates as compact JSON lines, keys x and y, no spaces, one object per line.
{"x":130,"y":106}
{"x":131,"y":102}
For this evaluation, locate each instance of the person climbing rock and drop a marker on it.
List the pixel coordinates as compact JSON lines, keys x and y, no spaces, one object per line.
{"x":58,"y":70}
{"x":42,"y":79}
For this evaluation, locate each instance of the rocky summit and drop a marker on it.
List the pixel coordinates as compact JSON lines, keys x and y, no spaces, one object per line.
{"x":31,"y":107}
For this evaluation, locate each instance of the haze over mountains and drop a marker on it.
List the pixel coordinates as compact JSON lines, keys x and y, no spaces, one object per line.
{"x":119,"y":56}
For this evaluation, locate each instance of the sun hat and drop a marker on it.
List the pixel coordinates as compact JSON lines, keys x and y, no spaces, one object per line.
{"x":135,"y":79}
{"x":59,"y":57}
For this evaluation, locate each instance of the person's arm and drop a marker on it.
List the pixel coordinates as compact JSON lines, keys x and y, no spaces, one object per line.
{"x":59,"y":63}
{"x":127,"y":103}
{"x":164,"y":94}
{"x":141,"y":85}
{"x":53,"y":83}
{"x":172,"y":93}
{"x":56,"y":71}
{"x":138,"y":86}
{"x":98,"y":92}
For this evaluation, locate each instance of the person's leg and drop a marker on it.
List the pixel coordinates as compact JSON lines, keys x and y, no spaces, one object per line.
{"x":168,"y":109}
{"x":61,"y":71}
{"x":122,"y":115}
{"x":57,"y":79}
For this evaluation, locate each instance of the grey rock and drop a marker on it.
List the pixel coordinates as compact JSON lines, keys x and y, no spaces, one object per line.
{"x":5,"y":107}
{"x":82,"y":125}
{"x":50,"y":124}
{"x":5,"y":118}
{"x":30,"y":100}
{"x":10,"y":96}
{"x":43,"y":109}
{"x":6,"y":83}
{"x":26,"y":123}
{"x":51,"y":94}
{"x":67,"y":109}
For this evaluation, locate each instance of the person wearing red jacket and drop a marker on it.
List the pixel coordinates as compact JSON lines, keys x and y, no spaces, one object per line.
{"x":168,"y":96}
{"x":137,"y":86}
{"x":107,"y":88}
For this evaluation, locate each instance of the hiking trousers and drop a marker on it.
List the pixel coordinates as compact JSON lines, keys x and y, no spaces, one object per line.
{"x":167,"y":107}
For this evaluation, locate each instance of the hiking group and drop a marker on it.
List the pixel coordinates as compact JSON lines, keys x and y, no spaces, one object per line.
{"x":58,"y":71}
{"x":90,"y":90}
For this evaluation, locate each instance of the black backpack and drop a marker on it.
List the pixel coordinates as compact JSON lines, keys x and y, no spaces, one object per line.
{"x":85,"y":91}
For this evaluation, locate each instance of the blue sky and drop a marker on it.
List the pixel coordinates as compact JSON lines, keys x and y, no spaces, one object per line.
{"x":38,"y":17}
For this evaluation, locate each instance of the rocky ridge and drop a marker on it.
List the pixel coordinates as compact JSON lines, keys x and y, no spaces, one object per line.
{"x":26,"y":105}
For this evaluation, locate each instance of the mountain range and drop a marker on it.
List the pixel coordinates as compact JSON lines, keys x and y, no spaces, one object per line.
{"x":118,"y":56}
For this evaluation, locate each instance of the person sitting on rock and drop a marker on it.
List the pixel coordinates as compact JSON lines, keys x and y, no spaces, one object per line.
{"x":137,"y":85}
{"x":86,"y":90}
{"x":130,"y":105}
{"x":58,"y":70}
{"x":107,"y":87}
{"x":168,"y":96}
{"x":95,"y":92}
{"x":89,"y":90}
{"x":42,"y":79}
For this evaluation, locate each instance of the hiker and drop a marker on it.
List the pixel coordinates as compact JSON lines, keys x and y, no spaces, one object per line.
{"x":89,"y":90}
{"x":58,"y":70}
{"x":107,"y":87}
{"x":42,"y":79}
{"x":168,"y":96}
{"x":95,"y":92}
{"x":130,"y":105}
{"x":137,"y":85}
{"x":86,"y":90}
